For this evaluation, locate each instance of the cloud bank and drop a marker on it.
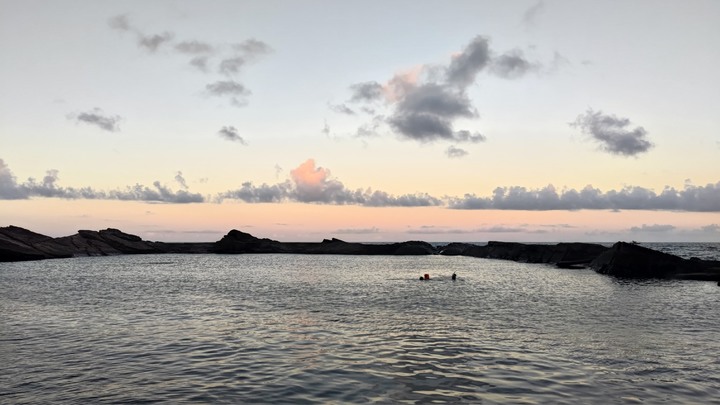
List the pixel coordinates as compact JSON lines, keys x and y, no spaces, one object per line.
{"x":10,"y":189}
{"x":691,"y":198}
{"x":309,"y":183}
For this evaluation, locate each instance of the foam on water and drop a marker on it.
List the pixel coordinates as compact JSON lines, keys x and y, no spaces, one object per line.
{"x":350,"y":329}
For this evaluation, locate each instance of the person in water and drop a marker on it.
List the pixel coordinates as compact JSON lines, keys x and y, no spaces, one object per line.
{"x":454,"y":276}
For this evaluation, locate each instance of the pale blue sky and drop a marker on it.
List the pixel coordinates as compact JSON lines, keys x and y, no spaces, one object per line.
{"x":68,"y":67}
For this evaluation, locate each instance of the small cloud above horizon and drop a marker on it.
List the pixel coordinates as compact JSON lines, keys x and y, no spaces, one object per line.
{"x":612,"y":133}
{"x":98,"y":118}
{"x":230,"y":133}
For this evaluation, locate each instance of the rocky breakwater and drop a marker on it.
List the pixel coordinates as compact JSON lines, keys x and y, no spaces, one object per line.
{"x":628,"y":260}
{"x":240,"y":242}
{"x":17,"y":244}
{"x":566,"y":255}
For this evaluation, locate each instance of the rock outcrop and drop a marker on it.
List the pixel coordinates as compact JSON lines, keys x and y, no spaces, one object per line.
{"x":18,"y":244}
{"x":240,"y":242}
{"x":561,"y":254}
{"x":630,"y":260}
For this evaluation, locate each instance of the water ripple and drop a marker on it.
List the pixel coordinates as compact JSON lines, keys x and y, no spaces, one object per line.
{"x":319,"y":329}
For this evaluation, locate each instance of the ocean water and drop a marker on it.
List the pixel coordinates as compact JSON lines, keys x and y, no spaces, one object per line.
{"x":350,"y":329}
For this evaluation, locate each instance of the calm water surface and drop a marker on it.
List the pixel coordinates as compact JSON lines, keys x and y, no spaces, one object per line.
{"x":350,"y":329}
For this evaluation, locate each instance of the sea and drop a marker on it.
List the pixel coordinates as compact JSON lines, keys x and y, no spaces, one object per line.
{"x":326,"y":329}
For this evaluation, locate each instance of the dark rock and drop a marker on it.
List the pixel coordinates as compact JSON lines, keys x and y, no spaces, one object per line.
{"x":18,"y":244}
{"x":564,"y":254}
{"x":107,"y":242}
{"x":630,"y":260}
{"x":240,"y":242}
{"x":414,"y":248}
{"x":455,"y":249}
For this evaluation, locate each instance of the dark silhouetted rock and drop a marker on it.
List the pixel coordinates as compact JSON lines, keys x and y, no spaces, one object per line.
{"x":18,"y":244}
{"x":107,"y":242}
{"x":562,"y":254}
{"x":630,"y":260}
{"x":455,"y":249}
{"x":240,"y":242}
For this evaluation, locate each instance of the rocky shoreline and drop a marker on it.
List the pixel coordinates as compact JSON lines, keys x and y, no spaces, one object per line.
{"x":621,"y":260}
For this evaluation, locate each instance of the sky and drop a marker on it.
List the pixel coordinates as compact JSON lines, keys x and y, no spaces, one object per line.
{"x":535,"y":121}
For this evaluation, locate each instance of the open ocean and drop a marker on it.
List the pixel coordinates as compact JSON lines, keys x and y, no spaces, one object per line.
{"x":352,"y":329}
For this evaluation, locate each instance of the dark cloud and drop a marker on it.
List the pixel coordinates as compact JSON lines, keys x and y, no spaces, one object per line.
{"x":691,"y":198}
{"x":99,"y":119}
{"x":366,"y":92}
{"x":253,"y":47}
{"x":231,"y":66}
{"x":231,"y":134}
{"x":427,"y":100}
{"x":155,"y":41}
{"x":455,"y":152}
{"x":426,"y":113}
{"x":711,"y":228}
{"x":194,"y":47}
{"x":465,"y":66}
{"x":422,"y":127}
{"x":48,"y":188}
{"x":231,"y":89}
{"x":613,"y":133}
{"x":653,"y":228}
{"x":511,"y":65}
{"x":438,"y":100}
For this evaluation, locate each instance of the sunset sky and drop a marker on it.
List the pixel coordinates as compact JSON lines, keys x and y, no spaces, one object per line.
{"x":362,"y":120}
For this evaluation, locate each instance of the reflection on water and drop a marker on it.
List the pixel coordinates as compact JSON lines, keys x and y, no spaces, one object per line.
{"x":344,"y":329}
